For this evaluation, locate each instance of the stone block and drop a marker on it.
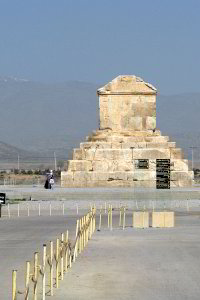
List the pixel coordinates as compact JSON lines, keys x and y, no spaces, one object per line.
{"x":79,"y":165}
{"x":179,"y":165}
{"x":164,"y":145}
{"x":144,"y":184}
{"x":151,"y":153}
{"x":172,"y":144}
{"x":150,"y":123}
{"x":158,"y":219}
{"x":156,"y":139}
{"x":99,"y":176}
{"x":176,"y":153}
{"x":115,"y":139}
{"x":152,"y":164}
{"x":100,"y":166}
{"x":116,"y":145}
{"x":162,"y":219}
{"x":133,"y":139}
{"x":181,"y":183}
{"x":181,"y":175}
{"x":169,"y":219}
{"x":109,"y":154}
{"x":78,"y":154}
{"x":125,"y":166}
{"x":132,"y":145}
{"x":95,"y":145}
{"x":141,"y":175}
{"x":117,"y":176}
{"x":66,"y":179}
{"x":140,"y":219}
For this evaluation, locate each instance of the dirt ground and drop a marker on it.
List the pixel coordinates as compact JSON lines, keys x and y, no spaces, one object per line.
{"x":140,"y":264}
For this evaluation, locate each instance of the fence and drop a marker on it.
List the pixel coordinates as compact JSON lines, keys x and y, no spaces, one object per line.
{"x":139,"y":218}
{"x":32,"y":208}
{"x":54,"y":261}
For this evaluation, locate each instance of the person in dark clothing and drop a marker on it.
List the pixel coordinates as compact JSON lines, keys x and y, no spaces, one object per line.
{"x":49,"y":180}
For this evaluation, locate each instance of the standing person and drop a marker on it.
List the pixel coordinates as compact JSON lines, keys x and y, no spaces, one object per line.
{"x":49,"y":180}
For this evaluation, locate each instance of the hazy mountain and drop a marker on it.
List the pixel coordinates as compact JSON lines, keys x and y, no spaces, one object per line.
{"x":46,"y":117}
{"x":57,"y":117}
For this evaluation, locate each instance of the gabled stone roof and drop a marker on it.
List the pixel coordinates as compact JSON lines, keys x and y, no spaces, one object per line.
{"x":127,"y":84}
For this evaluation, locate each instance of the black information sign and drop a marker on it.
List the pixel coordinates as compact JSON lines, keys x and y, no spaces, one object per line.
{"x":143,"y":164}
{"x":163,"y":173}
{"x":2,"y":198}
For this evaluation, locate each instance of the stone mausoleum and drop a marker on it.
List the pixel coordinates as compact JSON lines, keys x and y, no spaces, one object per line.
{"x":127,"y":150}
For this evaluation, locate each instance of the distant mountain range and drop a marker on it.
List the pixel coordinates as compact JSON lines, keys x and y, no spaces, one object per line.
{"x":46,"y":118}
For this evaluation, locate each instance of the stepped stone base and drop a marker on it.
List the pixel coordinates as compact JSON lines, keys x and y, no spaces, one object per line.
{"x":110,"y":159}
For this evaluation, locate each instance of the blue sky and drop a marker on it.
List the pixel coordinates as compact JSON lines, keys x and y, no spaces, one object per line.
{"x":96,"y":40}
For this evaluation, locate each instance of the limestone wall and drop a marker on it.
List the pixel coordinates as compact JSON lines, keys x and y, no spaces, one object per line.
{"x":127,"y":112}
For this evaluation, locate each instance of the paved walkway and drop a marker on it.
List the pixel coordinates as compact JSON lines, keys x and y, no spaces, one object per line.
{"x":150,"y":264}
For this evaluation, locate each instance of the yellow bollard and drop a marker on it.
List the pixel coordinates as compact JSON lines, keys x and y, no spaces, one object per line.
{"x":28,"y":210}
{"x":79,"y":242}
{"x":70,"y":260}
{"x":133,"y":220}
{"x":57,"y":262}
{"x":43,"y":271}
{"x":100,"y":218}
{"x":50,"y":209}
{"x":62,"y":259}
{"x":14,"y":285}
{"x":27,"y":280}
{"x":35,"y":276}
{"x":111,"y":217}
{"x":51,"y":269}
{"x":83,"y":232}
{"x":188,"y":209}
{"x":66,"y":250}
{"x":124,"y":218}
{"x":120,"y":217}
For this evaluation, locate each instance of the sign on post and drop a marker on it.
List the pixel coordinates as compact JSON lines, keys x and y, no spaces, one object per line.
{"x":2,"y":198}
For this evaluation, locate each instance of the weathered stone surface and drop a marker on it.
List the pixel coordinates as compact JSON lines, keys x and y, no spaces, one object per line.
{"x":150,"y":153}
{"x":140,"y":219}
{"x":181,"y":175}
{"x":78,"y":154}
{"x":116,"y":145}
{"x":150,"y":123}
{"x":156,"y":139}
{"x":176,"y":153}
{"x":79,"y":165}
{"x":133,"y":145}
{"x":108,"y":154}
{"x":141,"y":175}
{"x":179,"y":165}
{"x":181,"y":183}
{"x":66,"y":179}
{"x":95,"y":145}
{"x":164,"y":145}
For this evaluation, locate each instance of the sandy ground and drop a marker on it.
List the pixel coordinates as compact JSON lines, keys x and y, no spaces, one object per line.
{"x":130,"y":264}
{"x":139,"y":264}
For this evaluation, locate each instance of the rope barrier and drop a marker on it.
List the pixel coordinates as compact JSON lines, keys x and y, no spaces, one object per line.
{"x":62,"y":257}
